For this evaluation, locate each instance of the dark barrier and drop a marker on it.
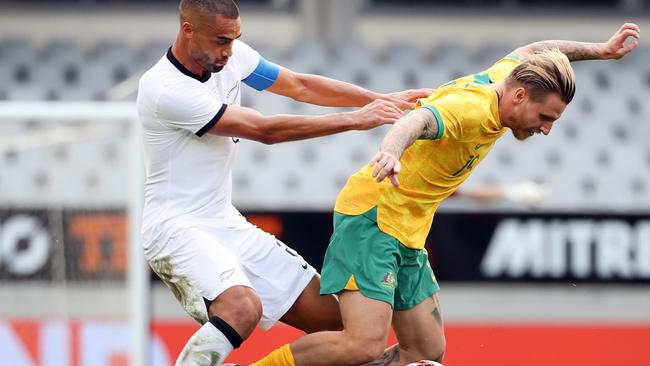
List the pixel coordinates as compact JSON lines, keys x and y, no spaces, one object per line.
{"x":506,"y":247}
{"x":91,"y":245}
{"x":557,"y":248}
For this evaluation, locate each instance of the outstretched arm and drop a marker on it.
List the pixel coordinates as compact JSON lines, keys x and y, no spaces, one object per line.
{"x":615,"y":48}
{"x":248,"y":123}
{"x":320,"y":90}
{"x":421,"y":123}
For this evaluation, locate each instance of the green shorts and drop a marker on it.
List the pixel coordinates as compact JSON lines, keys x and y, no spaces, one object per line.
{"x":361,"y":257}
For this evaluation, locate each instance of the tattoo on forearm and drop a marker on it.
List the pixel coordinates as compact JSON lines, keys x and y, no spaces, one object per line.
{"x":399,"y":138}
{"x":575,"y":51}
{"x":407,"y":130}
{"x":430,"y":129}
{"x":389,"y":356}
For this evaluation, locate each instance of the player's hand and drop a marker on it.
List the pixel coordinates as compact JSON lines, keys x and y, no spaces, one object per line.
{"x":386,"y":165}
{"x":377,"y":113}
{"x":406,"y":99}
{"x":615,"y":48}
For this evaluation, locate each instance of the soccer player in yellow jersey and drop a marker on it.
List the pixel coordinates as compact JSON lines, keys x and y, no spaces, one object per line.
{"x":376,"y":261}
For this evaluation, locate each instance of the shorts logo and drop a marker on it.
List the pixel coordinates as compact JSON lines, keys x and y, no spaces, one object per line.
{"x":226,"y":274}
{"x":388,"y":280}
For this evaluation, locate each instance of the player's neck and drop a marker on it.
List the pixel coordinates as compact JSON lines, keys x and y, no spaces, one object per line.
{"x":500,"y":89}
{"x":180,"y":52}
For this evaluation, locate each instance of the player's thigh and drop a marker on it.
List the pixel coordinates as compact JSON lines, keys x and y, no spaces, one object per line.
{"x":419,"y":330}
{"x":198,"y":267}
{"x":312,"y":312}
{"x":366,"y":321}
{"x":278,"y":274}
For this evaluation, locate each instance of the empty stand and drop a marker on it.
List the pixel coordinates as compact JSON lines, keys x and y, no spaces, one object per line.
{"x":596,"y":156}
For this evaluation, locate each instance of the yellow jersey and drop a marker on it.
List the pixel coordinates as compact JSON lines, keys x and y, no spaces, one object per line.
{"x":468,"y":126}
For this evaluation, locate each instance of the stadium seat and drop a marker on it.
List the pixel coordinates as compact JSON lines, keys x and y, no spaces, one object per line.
{"x":386,"y":78}
{"x":353,"y":53}
{"x":604,"y":130}
{"x":14,"y":51}
{"x":311,"y":53}
{"x":488,"y":54}
{"x":149,"y":53}
{"x":26,"y":92}
{"x":62,"y":51}
{"x":405,"y":55}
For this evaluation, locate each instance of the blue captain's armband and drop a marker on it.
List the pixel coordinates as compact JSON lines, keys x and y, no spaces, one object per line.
{"x":264,"y":75}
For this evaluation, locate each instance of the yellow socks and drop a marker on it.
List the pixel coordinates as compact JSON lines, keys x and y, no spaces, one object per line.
{"x":280,"y":357}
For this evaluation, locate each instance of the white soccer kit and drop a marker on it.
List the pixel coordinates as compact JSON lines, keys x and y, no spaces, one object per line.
{"x":193,"y":237}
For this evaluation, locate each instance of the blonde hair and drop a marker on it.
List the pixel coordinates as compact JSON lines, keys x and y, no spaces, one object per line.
{"x":546,"y":72}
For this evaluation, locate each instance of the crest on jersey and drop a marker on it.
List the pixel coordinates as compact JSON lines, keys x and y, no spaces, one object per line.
{"x":233,"y":93}
{"x":231,"y":98}
{"x":388,"y":280}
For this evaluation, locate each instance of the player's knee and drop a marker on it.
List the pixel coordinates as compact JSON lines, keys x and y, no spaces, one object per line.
{"x":362,"y":351}
{"x":240,"y":307}
{"x":436,"y":350}
{"x":247,"y":312}
{"x":362,"y":356}
{"x":431,"y":348}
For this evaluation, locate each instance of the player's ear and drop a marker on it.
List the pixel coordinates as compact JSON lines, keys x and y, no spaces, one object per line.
{"x":519,"y":95}
{"x":187,"y":29}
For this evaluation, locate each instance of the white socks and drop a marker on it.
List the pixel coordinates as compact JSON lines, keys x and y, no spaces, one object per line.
{"x":207,"y":347}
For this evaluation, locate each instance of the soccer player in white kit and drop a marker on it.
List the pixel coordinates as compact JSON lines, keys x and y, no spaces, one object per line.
{"x":228,"y":274}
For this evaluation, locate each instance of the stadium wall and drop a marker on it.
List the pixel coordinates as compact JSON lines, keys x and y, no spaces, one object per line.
{"x":283,"y":30}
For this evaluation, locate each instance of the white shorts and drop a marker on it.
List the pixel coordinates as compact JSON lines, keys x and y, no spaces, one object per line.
{"x":200,"y":262}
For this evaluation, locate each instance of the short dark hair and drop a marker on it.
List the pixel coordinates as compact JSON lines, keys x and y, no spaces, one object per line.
{"x":226,"y":8}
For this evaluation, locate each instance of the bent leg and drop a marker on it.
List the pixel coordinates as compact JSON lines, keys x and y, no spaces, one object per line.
{"x":233,"y":317}
{"x":312,"y":312}
{"x":420,"y":333}
{"x":366,"y":327}
{"x":197,"y":267}
{"x":239,"y":307}
{"x":360,"y":265}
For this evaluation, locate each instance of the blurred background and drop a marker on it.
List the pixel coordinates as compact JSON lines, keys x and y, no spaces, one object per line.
{"x":561,"y":280}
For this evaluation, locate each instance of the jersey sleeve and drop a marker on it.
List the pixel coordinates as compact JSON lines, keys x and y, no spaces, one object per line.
{"x":460,"y":115}
{"x":190,"y":108}
{"x":255,"y":70}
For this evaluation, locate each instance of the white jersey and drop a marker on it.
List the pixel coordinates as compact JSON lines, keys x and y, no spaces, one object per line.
{"x":193,"y":237}
{"x":188,"y":171}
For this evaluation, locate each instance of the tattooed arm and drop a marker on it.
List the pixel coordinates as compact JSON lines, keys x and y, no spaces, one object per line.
{"x":421,"y":123}
{"x":614,"y":48}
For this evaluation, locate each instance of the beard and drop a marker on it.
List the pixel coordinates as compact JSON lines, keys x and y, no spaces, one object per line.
{"x":213,"y":68}
{"x":207,"y":63}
